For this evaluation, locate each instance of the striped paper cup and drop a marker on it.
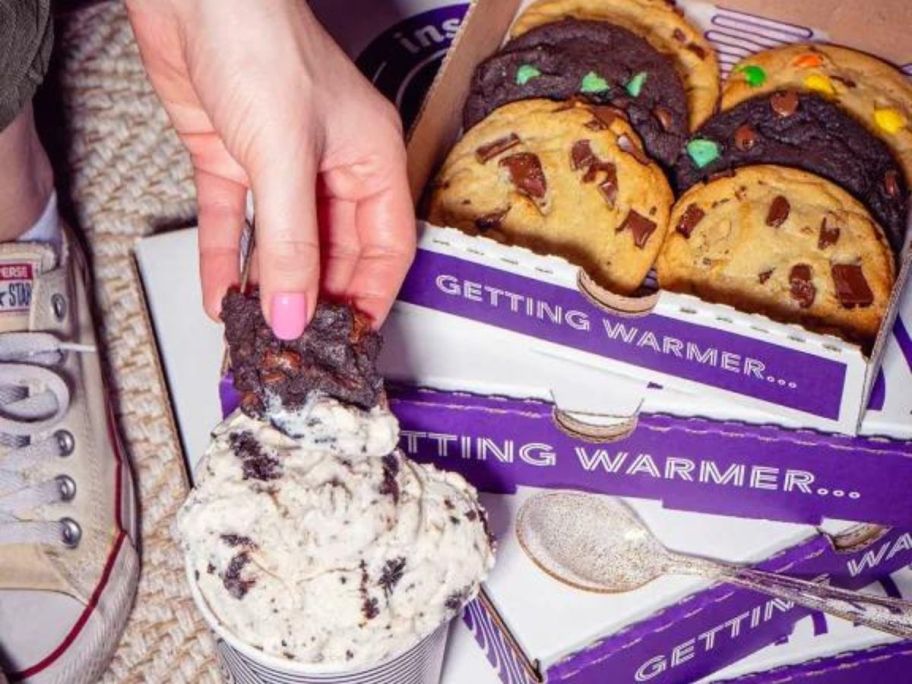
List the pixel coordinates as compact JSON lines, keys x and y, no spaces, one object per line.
{"x":241,"y":663}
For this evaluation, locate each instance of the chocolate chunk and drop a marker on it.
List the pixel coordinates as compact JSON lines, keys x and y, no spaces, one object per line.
{"x":778,"y":211}
{"x":256,"y":463}
{"x":238,"y":540}
{"x":392,"y":573}
{"x":236,"y":585}
{"x":640,"y":226}
{"x":829,"y":235}
{"x":697,"y":50}
{"x":631,"y":148}
{"x":745,"y":137}
{"x":689,"y":220}
{"x":581,"y":155}
{"x":891,"y":183}
{"x":679,"y":35}
{"x":664,"y":116}
{"x":604,"y":116}
{"x":784,"y":102}
{"x":336,"y":355}
{"x":490,"y":221}
{"x":370,"y":608}
{"x":526,"y":174}
{"x":609,"y":185}
{"x":390,"y":486}
{"x":852,"y":288}
{"x":764,"y":276}
{"x":802,"y":289}
{"x":487,"y":152}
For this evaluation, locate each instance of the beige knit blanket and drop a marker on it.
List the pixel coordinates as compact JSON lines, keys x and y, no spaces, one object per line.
{"x":127,"y":176}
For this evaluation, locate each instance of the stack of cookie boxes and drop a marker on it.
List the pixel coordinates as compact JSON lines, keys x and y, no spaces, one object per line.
{"x":733,"y":436}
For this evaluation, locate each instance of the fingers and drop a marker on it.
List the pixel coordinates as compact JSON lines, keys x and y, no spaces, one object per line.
{"x":288,"y":245}
{"x":221,"y":220}
{"x":340,"y":246}
{"x":386,"y":227}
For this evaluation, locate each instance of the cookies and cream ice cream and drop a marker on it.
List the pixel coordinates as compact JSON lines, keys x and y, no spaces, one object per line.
{"x":330,"y":546}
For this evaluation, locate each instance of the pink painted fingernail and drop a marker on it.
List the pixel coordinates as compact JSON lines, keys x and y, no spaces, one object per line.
{"x":289,"y":314}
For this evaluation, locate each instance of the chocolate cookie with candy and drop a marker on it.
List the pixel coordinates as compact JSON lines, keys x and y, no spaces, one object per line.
{"x":784,"y":243}
{"x":877,"y":94}
{"x":805,"y":131}
{"x":595,"y":61}
{"x":659,"y":22}
{"x":563,"y":178}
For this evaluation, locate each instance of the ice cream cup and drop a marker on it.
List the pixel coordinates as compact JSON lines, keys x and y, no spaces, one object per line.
{"x":242,"y":663}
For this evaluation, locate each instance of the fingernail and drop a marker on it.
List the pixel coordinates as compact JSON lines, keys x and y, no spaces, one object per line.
{"x":289,"y":314}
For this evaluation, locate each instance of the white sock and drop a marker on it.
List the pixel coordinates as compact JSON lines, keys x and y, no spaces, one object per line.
{"x":47,"y":227}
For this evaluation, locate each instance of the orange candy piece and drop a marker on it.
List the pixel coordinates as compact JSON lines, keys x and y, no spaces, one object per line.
{"x":808,"y":60}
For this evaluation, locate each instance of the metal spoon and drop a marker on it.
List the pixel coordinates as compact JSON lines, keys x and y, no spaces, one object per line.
{"x":599,"y":544}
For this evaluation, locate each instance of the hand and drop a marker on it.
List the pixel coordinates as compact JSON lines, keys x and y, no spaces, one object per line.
{"x":264,"y":99}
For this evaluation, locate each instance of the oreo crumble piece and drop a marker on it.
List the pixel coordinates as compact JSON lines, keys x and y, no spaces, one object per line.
{"x":234,"y":540}
{"x":236,"y":585}
{"x":256,"y":463}
{"x":336,"y":355}
{"x":391,"y":575}
{"x":390,"y":470}
{"x":457,"y":599}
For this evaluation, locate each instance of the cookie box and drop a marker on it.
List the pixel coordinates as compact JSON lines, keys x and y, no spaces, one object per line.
{"x":674,"y":340}
{"x":674,"y":629}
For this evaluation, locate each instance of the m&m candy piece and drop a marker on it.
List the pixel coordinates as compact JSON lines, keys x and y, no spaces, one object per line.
{"x":890,"y":120}
{"x":808,"y":60}
{"x":819,"y":83}
{"x":754,"y":75}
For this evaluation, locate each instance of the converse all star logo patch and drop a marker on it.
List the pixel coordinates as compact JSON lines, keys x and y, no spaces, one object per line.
{"x":16,"y":287}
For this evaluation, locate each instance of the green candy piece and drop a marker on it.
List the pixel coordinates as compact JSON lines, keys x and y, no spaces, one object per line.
{"x":703,"y":151}
{"x":526,"y":73}
{"x":754,"y":75}
{"x":635,"y":84}
{"x":593,"y":83}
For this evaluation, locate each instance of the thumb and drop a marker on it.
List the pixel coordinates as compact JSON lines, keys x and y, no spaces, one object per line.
{"x":287,"y":238}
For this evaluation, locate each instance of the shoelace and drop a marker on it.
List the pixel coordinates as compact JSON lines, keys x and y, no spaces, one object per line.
{"x":34,"y":398}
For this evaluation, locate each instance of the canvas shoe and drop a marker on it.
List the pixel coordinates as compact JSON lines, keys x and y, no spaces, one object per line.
{"x":68,"y":552}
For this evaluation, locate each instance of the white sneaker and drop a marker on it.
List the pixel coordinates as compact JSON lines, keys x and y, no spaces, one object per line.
{"x":68,"y":558}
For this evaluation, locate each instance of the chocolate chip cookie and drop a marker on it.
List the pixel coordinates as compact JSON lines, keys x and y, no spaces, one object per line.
{"x":662,"y":24}
{"x":596,"y":61}
{"x":805,"y":131}
{"x":569,"y":179}
{"x":336,"y":356}
{"x":878,"y":95}
{"x":784,"y":243}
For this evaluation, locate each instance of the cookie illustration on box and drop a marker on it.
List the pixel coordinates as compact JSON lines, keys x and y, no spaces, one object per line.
{"x":805,"y":131}
{"x":659,"y":22}
{"x":595,"y":61}
{"x":568,"y":179}
{"x":784,"y":243}
{"x":878,"y":95}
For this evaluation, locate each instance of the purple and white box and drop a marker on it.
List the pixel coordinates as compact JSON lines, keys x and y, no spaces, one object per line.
{"x":677,"y":341}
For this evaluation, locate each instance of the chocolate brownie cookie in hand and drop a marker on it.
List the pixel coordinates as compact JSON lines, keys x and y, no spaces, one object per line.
{"x":596,"y":61}
{"x":660,"y":23}
{"x":568,"y":179}
{"x":877,"y":94}
{"x":784,"y":243}
{"x":805,"y":131}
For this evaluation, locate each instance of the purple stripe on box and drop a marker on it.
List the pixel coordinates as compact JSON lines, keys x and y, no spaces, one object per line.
{"x":706,"y":631}
{"x":889,"y":663}
{"x":699,"y":353}
{"x":878,"y":392}
{"x":690,"y":464}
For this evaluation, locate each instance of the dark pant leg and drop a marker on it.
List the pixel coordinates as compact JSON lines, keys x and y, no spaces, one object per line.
{"x":26,"y":35}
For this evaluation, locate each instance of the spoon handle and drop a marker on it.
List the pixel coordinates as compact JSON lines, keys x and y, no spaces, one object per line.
{"x":890,"y":615}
